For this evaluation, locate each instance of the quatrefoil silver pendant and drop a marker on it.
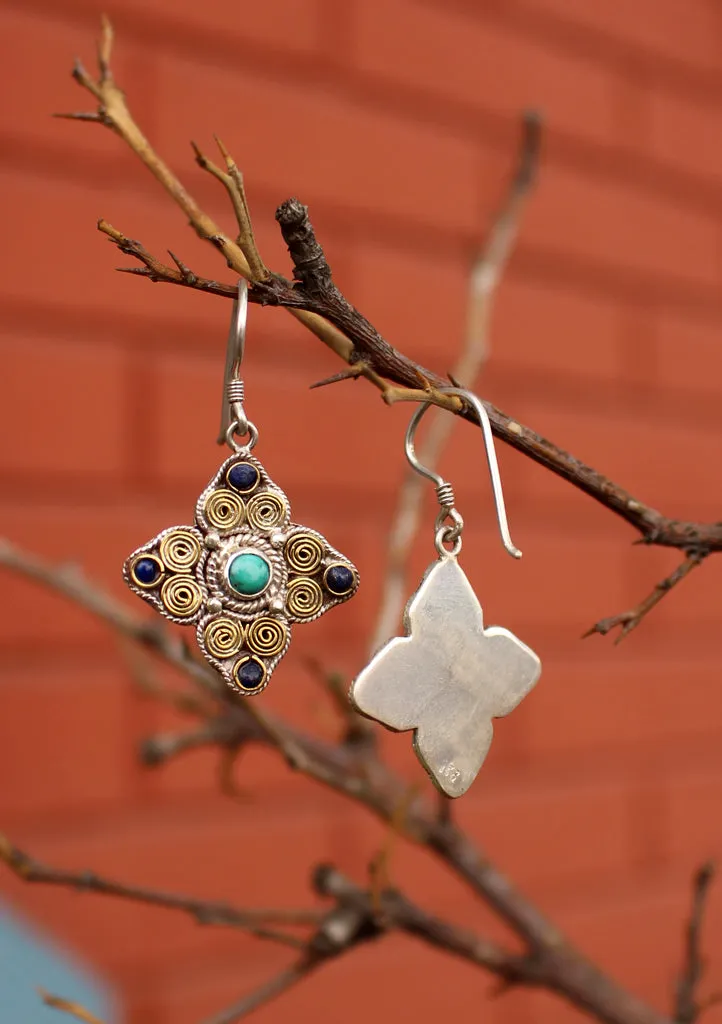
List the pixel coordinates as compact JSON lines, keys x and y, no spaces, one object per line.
{"x":243,"y":574}
{"x":447,"y":678}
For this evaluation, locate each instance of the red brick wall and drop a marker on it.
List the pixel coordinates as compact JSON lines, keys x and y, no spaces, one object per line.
{"x":396,"y":120}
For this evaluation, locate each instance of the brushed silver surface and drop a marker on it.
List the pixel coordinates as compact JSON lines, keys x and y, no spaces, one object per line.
{"x":447,"y":678}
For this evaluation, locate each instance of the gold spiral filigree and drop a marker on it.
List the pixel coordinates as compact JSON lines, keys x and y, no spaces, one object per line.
{"x":304,"y":598}
{"x":223,"y":509}
{"x":181,"y":595}
{"x":223,"y":636}
{"x":304,"y":552}
{"x":267,"y":637}
{"x":180,"y":550}
{"x":266,"y":510}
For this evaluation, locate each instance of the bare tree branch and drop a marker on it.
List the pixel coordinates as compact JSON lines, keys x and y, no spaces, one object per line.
{"x":629,"y":620}
{"x":205,"y":912}
{"x":332,"y":318}
{"x":484,"y":278}
{"x":371,"y":783}
{"x":266,"y":992}
{"x":113,"y":113}
{"x":687,"y":1007}
{"x":353,"y":767}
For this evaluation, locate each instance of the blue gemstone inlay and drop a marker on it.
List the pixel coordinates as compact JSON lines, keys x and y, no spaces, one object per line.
{"x":243,"y":477}
{"x":339,"y":579}
{"x":250,"y":675}
{"x":146,"y":570}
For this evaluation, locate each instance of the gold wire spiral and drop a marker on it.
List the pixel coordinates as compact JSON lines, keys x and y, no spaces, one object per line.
{"x":304,"y":598}
{"x":180,"y":550}
{"x":304,"y":552}
{"x":223,"y":509}
{"x":181,"y":595}
{"x":267,"y":637}
{"x":266,"y":510}
{"x":223,"y":636}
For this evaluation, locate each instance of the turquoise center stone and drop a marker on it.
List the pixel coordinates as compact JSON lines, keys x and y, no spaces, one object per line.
{"x":249,"y":574}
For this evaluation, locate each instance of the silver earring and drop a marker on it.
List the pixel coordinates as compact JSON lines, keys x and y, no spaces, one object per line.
{"x":243,"y":573}
{"x":448,"y":676}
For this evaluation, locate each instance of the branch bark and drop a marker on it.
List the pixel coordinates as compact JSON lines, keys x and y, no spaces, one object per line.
{"x":687,"y":1006}
{"x":354,"y":769}
{"x":206,"y":912}
{"x":362,"y":777}
{"x":343,"y":329}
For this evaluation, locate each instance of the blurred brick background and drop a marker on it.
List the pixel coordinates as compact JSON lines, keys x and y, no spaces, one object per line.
{"x":397,"y":122}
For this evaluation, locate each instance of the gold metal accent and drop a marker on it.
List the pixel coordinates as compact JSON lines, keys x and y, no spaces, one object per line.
{"x":223,"y":509}
{"x":249,"y":490}
{"x":266,"y":510}
{"x":267,"y":637}
{"x":180,"y":550}
{"x":304,"y":598}
{"x":304,"y":552}
{"x":139,"y":583}
{"x":223,"y":636}
{"x":237,"y":667}
{"x":341,"y":593}
{"x":181,"y":595}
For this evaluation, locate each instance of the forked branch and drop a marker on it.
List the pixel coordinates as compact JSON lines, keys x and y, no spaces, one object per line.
{"x":326,"y":312}
{"x":629,"y":620}
{"x":361,"y":776}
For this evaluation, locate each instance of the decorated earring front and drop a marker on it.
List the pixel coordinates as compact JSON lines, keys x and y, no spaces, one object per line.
{"x":243,"y":574}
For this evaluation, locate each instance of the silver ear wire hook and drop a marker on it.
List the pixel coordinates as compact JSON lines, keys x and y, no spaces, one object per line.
{"x":444,"y":490}
{"x":233,"y":416}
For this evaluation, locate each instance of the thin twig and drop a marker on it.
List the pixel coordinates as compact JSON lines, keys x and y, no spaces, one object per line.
{"x":269,"y":990}
{"x":205,"y":912}
{"x":629,"y":620}
{"x":687,"y":1007}
{"x":113,"y":112}
{"x":379,"y":867}
{"x":484,"y":278}
{"x":146,"y":682}
{"x":358,"y":731}
{"x":232,"y":181}
{"x":161,"y":747}
{"x":69,"y":1006}
{"x":69,"y":581}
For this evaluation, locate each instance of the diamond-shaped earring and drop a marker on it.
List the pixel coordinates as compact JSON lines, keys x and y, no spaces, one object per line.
{"x":449,"y":675}
{"x":243,"y":573}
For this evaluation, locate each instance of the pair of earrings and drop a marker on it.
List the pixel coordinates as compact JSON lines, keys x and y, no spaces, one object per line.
{"x":244,"y":573}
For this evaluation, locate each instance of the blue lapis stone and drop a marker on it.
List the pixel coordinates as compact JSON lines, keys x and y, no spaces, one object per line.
{"x":250,"y":674}
{"x":339,"y":579}
{"x":243,"y":477}
{"x":146,"y":571}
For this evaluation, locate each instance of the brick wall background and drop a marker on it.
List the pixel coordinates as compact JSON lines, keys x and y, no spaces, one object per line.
{"x":396,"y":120}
